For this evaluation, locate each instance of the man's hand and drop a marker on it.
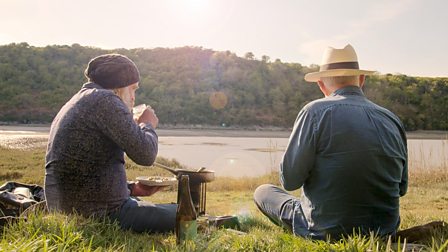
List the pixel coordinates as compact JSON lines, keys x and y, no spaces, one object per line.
{"x":149,"y":116}
{"x":139,"y":189}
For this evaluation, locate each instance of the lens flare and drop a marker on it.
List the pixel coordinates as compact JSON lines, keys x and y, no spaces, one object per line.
{"x":218,"y":100}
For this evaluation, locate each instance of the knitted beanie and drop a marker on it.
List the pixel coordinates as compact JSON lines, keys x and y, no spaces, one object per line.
{"x":112,"y":71}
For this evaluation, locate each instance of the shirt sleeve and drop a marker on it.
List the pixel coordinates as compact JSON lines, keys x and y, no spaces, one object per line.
{"x":403,"y":186}
{"x":140,"y":142}
{"x":298,"y":159}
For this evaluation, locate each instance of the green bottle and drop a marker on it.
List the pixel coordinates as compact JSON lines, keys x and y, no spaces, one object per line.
{"x":186,"y":224}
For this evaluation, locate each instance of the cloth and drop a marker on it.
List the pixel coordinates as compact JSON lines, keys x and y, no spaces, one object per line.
{"x":349,"y":155}
{"x":142,"y":216}
{"x":85,"y":169}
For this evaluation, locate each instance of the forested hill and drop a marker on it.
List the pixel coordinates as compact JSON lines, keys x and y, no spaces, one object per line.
{"x":196,"y":86}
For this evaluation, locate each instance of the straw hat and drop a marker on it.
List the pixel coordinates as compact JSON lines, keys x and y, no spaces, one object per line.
{"x":338,"y":62}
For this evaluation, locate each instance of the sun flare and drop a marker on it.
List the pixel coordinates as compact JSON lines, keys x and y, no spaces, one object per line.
{"x":195,"y":5}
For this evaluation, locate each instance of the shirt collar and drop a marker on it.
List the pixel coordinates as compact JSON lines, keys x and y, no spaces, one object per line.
{"x":348,"y":90}
{"x":92,"y":85}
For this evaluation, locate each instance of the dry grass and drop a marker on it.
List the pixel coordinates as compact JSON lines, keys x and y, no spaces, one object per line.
{"x":429,"y":177}
{"x":243,"y":183}
{"x":27,"y":166}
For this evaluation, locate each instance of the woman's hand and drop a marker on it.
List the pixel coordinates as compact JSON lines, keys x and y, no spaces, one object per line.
{"x":139,"y":189}
{"x":148,"y":116}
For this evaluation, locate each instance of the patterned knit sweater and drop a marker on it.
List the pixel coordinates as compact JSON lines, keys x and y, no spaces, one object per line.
{"x":85,"y":155}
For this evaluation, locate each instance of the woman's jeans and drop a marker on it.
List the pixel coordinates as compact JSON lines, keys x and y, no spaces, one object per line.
{"x":144,"y":216}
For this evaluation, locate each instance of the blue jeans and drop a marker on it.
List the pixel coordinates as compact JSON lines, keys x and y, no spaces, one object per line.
{"x":286,"y":211}
{"x":143,"y":216}
{"x":279,"y":206}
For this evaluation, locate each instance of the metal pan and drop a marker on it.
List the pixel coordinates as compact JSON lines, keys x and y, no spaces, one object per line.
{"x":200,"y":176}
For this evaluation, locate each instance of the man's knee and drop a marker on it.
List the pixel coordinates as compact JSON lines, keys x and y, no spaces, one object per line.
{"x":263,"y":192}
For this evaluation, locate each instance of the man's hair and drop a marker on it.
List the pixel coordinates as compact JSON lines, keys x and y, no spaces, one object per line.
{"x":341,"y":80}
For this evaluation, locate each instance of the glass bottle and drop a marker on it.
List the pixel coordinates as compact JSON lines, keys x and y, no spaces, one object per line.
{"x":186,"y":224}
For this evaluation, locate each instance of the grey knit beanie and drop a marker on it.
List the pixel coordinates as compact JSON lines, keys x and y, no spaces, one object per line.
{"x":112,"y":71}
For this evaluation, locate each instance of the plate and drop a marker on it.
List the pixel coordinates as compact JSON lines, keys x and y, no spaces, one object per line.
{"x":157,"y":180}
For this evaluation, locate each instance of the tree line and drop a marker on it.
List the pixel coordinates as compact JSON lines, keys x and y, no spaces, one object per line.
{"x":197,"y":86}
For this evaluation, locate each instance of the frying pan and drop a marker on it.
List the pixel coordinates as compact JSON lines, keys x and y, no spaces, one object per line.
{"x":200,"y":176}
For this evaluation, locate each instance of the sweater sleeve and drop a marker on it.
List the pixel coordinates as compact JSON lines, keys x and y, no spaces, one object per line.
{"x":140,"y":143}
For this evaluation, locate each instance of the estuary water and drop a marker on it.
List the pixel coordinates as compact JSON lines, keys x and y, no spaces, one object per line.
{"x":233,"y":153}
{"x":240,"y":156}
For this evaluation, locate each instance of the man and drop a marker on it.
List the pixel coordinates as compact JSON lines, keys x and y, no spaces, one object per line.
{"x":85,"y":155}
{"x":348,"y":154}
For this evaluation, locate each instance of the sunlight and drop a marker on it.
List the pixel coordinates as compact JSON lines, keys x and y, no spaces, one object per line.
{"x":231,"y":161}
{"x":188,"y":13}
{"x":5,"y":39}
{"x":195,"y":5}
{"x":190,"y":7}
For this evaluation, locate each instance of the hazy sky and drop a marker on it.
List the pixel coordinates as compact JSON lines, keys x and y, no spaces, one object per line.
{"x":390,"y":36}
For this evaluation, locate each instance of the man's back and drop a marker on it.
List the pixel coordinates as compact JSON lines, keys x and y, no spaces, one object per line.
{"x":350,"y":159}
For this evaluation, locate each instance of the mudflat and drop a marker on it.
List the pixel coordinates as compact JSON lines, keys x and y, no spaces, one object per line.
{"x":42,"y":130}
{"x":45,"y":129}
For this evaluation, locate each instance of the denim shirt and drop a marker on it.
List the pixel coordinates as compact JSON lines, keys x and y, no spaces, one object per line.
{"x":349,"y":155}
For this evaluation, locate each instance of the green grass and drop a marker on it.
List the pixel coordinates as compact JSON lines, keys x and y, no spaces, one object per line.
{"x":426,"y":201}
{"x":55,"y":232}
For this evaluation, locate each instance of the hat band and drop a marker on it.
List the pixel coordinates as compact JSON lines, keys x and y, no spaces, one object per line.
{"x":340,"y":65}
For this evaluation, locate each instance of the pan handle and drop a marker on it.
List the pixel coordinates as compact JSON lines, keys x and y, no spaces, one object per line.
{"x":172,"y":170}
{"x":175,"y":171}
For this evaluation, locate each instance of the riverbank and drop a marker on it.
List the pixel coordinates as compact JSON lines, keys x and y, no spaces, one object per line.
{"x":236,"y":153}
{"x":43,"y":129}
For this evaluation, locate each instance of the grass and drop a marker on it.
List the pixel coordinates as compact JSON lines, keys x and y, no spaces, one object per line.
{"x":55,"y":232}
{"x":426,"y":201}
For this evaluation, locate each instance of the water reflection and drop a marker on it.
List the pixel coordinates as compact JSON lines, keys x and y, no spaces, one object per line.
{"x":236,"y":156}
{"x":230,"y":156}
{"x":428,"y":154}
{"x":227,"y":156}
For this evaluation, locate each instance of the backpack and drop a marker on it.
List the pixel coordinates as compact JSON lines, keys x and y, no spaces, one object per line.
{"x":16,"y":197}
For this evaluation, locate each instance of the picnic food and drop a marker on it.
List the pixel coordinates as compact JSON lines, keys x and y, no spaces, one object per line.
{"x":157,"y":180}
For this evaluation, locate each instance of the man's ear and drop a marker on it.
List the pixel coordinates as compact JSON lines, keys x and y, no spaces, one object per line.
{"x":322,"y":87}
{"x":362,"y":79}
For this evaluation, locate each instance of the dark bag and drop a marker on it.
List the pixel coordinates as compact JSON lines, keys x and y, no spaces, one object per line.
{"x":17,"y":197}
{"x":421,"y":233}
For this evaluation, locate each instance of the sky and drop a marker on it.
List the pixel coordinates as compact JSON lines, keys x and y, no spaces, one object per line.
{"x":400,"y":36}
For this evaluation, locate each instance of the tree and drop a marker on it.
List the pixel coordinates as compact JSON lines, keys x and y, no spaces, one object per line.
{"x":265,"y":58}
{"x":180,"y":83}
{"x":249,"y":56}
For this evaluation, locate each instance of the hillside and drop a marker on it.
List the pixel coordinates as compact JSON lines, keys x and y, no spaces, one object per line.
{"x":192,"y":85}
